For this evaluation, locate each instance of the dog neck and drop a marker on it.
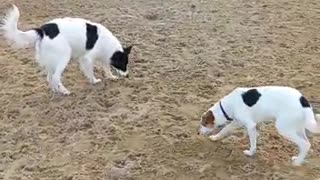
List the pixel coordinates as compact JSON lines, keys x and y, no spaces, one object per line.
{"x":225,"y":114}
{"x":224,"y":109}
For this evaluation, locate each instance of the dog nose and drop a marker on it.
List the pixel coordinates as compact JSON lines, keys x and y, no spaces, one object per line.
{"x":198,"y":133}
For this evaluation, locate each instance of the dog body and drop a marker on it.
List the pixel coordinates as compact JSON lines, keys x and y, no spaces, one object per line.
{"x":61,"y":39}
{"x":247,"y":107}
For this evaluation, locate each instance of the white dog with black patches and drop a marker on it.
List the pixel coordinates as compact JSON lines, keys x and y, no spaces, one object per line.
{"x":246,"y":107}
{"x":61,"y":39}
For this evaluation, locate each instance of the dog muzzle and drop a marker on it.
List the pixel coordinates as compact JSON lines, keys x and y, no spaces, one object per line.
{"x":202,"y":130}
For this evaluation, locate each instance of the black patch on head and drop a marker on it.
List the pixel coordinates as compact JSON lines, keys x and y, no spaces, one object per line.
{"x":92,"y":36}
{"x":251,"y":97}
{"x":304,"y":102}
{"x":51,"y":30}
{"x":119,"y":60}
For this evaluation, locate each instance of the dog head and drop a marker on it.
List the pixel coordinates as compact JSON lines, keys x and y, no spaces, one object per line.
{"x":212,"y":121}
{"x":119,"y":61}
{"x":206,"y":124}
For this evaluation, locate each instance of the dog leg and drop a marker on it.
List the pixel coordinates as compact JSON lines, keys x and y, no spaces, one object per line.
{"x":56,"y":77}
{"x":304,"y":147}
{"x":108,"y":73}
{"x":252,"y":132}
{"x":49,"y":74}
{"x":49,"y":80}
{"x":57,"y":84}
{"x":54,"y":55}
{"x":86,"y":66}
{"x":226,"y":131}
{"x":298,"y":137}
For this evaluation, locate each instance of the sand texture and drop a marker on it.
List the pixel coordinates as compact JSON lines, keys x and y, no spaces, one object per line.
{"x":187,"y":54}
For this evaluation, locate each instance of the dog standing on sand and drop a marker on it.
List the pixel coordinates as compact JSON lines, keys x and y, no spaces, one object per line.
{"x":61,"y":39}
{"x":246,"y":107}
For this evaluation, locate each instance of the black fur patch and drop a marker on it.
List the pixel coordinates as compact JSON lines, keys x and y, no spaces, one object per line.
{"x":119,"y":60}
{"x":39,"y":32}
{"x":251,"y":97}
{"x":304,"y":102}
{"x":51,"y":30}
{"x":92,"y":36}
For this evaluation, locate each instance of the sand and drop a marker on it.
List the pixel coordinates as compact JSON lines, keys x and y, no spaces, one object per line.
{"x":187,"y":55}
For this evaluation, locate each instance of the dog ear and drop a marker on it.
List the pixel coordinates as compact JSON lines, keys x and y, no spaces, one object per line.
{"x":127,"y":50}
{"x":207,"y":118}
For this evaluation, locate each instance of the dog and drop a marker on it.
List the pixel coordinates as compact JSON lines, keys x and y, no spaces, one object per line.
{"x":59,"y":40}
{"x":248,"y":106}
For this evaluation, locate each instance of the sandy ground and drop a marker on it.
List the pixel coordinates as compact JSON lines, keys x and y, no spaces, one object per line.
{"x":187,"y":54}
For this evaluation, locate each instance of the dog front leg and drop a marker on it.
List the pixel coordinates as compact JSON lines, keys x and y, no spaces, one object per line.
{"x":252,"y":132}
{"x":108,"y":73}
{"x":226,"y":131}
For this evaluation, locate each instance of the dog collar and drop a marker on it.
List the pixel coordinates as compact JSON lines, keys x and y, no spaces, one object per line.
{"x":224,"y":112}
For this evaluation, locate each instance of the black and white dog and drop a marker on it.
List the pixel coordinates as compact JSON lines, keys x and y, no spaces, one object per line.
{"x":61,"y":39}
{"x":246,"y":107}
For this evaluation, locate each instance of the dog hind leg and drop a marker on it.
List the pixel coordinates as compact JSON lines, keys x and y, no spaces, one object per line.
{"x":54,"y":55}
{"x":56,"y":77}
{"x":297,"y":135}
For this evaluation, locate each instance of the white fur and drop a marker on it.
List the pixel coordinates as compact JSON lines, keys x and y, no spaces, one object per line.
{"x":14,"y":36}
{"x":54,"y":54}
{"x":277,"y":103}
{"x":205,"y":130}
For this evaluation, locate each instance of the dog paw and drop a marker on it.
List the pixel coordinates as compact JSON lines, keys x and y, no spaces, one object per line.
{"x":214,"y":138}
{"x":248,"y":153}
{"x":296,"y":161}
{"x":65,"y":92}
{"x":96,"y":81}
{"x":114,"y":78}
{"x":294,"y":158}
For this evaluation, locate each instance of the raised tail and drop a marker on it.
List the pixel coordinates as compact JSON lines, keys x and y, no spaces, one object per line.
{"x":312,"y":121}
{"x":15,"y":37}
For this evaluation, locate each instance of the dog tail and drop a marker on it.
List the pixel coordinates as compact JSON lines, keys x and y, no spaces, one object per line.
{"x":15,"y":37}
{"x":312,"y":121}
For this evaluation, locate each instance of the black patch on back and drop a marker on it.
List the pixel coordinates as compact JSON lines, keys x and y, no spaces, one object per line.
{"x":51,"y":30}
{"x":251,"y":97}
{"x":92,"y":36}
{"x":119,"y":60}
{"x":304,"y":102}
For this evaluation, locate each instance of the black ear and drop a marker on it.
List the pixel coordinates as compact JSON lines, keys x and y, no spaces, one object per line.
{"x":127,"y":50}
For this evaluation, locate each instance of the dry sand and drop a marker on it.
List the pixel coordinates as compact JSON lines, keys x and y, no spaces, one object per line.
{"x":187,"y":54}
